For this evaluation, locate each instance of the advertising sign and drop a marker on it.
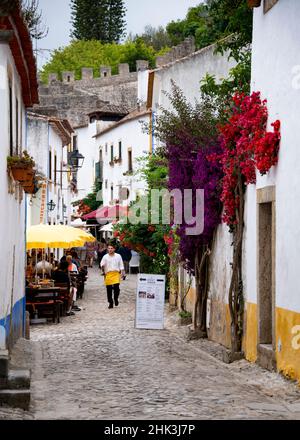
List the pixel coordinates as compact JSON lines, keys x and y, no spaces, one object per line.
{"x":150,"y":302}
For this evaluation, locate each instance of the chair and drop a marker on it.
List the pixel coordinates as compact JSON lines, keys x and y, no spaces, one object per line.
{"x":134,"y":262}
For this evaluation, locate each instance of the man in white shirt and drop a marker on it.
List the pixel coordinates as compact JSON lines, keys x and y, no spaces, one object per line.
{"x":113,"y":267}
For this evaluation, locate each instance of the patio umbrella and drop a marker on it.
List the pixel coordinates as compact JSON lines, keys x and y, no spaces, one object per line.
{"x":55,"y":236}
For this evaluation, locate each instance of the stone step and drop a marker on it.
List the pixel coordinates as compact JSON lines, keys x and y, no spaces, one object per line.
{"x":15,"y":398}
{"x":4,"y":361}
{"x":18,"y":379}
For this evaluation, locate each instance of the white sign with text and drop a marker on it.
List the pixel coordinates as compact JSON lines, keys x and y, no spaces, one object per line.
{"x":150,"y":302}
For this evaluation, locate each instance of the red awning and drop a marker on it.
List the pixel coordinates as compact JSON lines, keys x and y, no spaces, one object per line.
{"x":107,"y":213}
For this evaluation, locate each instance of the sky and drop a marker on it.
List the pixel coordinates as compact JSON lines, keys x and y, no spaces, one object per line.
{"x":139,"y":14}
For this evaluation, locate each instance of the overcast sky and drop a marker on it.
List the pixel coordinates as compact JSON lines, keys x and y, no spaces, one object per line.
{"x":139,"y":14}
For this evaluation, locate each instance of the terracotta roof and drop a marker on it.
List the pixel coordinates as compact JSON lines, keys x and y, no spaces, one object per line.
{"x":21,"y":48}
{"x":135,"y":114}
{"x":110,"y":109}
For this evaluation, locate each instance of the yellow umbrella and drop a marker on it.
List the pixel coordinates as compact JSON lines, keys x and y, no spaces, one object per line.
{"x":52,"y":236}
{"x":76,"y":233}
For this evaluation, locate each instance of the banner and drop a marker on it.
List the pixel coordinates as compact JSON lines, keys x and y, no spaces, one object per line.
{"x":150,"y":302}
{"x":43,"y":202}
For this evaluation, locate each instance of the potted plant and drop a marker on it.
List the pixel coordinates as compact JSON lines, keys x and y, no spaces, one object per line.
{"x":31,"y":187}
{"x":21,"y":167}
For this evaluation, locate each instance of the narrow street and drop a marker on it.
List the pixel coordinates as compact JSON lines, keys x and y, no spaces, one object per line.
{"x":95,"y":365}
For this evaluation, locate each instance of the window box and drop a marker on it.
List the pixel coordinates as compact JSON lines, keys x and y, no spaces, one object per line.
{"x":128,"y":173}
{"x":111,"y":163}
{"x":117,"y":160}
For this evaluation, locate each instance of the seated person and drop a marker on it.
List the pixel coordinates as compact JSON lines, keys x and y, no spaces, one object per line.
{"x":44,"y":267}
{"x":71,"y":266}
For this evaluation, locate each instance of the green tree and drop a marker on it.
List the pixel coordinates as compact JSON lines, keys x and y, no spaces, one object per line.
{"x":157,"y":38}
{"x":102,"y":20}
{"x":94,"y":53}
{"x":213,"y":21}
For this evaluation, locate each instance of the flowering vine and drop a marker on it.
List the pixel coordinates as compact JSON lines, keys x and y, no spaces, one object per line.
{"x":247,"y":146}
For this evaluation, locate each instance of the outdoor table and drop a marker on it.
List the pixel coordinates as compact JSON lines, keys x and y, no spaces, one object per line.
{"x":40,"y":294}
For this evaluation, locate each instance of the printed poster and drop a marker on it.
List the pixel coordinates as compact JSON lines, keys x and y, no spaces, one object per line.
{"x":150,"y":302}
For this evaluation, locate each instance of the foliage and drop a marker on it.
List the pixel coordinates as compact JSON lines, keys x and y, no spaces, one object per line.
{"x":247,"y":146}
{"x":184,"y":315}
{"x":102,"y":20}
{"x":91,"y":202}
{"x":157,"y":38}
{"x":220,"y":92}
{"x":190,"y":135}
{"x":215,"y":20}
{"x":93,"y":53}
{"x":154,"y":171}
{"x":148,"y":241}
{"x":24,"y":161}
{"x":34,"y":19}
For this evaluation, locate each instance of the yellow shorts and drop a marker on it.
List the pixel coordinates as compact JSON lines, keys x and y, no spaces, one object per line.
{"x":112,"y":278}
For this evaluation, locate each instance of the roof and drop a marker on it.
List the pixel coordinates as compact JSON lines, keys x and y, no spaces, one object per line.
{"x":62,"y":126}
{"x":110,"y":109}
{"x":137,"y":113}
{"x":21,"y":48}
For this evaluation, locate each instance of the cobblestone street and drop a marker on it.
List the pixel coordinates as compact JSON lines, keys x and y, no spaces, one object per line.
{"x":95,"y":365}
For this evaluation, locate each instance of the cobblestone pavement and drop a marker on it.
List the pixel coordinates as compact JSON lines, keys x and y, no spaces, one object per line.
{"x":95,"y":365}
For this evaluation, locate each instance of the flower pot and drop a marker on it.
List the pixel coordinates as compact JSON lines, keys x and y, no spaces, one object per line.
{"x":254,"y":3}
{"x":30,"y":189}
{"x":22,"y":174}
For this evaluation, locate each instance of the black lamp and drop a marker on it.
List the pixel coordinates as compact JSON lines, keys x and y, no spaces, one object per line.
{"x":76,"y":160}
{"x":51,"y":206}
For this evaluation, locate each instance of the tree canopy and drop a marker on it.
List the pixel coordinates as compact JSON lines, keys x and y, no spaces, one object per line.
{"x":102,"y":20}
{"x":93,"y":54}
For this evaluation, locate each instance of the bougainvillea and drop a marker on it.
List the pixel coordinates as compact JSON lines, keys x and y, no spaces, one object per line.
{"x":247,"y":147}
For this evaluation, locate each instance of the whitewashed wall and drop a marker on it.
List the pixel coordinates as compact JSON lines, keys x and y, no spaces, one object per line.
{"x":131,"y":135}
{"x":87,"y":147}
{"x":12,"y":220}
{"x":276,"y":74}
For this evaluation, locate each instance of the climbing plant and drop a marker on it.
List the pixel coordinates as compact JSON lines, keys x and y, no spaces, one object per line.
{"x":247,"y":147}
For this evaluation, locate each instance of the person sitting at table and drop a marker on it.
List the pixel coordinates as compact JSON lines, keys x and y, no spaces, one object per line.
{"x":72,"y":267}
{"x":44,"y":267}
{"x":62,"y":275}
{"x":75,"y":259}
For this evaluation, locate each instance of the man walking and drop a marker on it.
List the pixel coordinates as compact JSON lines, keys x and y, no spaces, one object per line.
{"x":112,"y":267}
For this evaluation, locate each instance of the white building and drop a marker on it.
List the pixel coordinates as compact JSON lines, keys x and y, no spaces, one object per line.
{"x":49,"y":142}
{"x":98,"y":120}
{"x":18,"y":91}
{"x":119,"y":147}
{"x":272,"y":242}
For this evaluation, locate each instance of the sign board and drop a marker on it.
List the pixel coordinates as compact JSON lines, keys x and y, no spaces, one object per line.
{"x":43,"y":202}
{"x":150,"y":302}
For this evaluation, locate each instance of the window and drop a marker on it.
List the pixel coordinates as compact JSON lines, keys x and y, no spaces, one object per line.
{"x":106,"y":148}
{"x":11,"y":138}
{"x":74,"y":142}
{"x":55,"y":168}
{"x":111,"y":192}
{"x":17,"y":126}
{"x":50,"y":166}
{"x":101,"y":155}
{"x":105,"y":74}
{"x":120,"y":150}
{"x":112,"y":153}
{"x":130,"y":169}
{"x":106,"y":184}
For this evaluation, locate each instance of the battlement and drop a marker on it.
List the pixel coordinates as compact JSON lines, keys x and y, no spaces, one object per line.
{"x":186,"y":48}
{"x":87,"y":73}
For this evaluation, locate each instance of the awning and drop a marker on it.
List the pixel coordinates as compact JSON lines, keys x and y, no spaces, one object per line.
{"x":107,"y":228}
{"x":107,"y":213}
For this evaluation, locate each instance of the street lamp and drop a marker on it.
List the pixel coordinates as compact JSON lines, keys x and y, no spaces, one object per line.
{"x":51,"y":206}
{"x":76,"y":160}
